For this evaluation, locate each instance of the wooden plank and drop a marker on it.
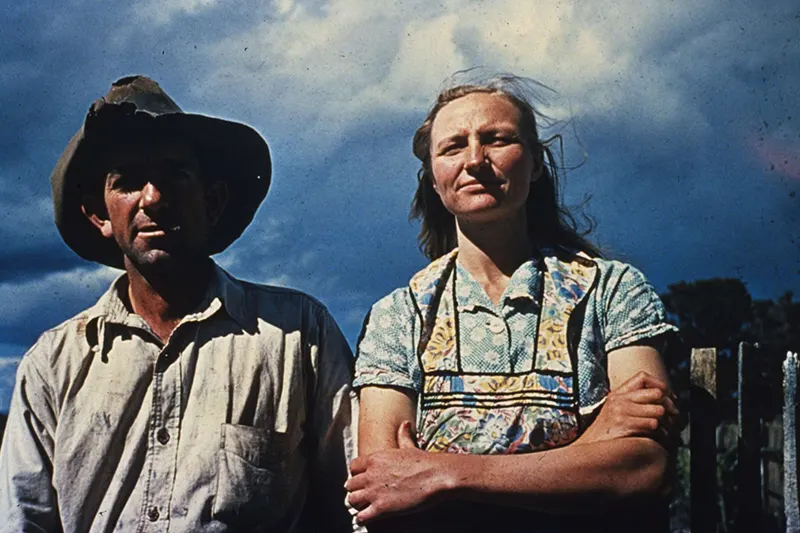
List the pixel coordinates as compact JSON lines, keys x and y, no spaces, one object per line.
{"x":703,"y":420}
{"x":748,"y":468}
{"x":790,"y":505}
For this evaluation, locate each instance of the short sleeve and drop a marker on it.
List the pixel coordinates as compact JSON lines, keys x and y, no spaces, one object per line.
{"x":385,"y":353}
{"x":631,"y":309}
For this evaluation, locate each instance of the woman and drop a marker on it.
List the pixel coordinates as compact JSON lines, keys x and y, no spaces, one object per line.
{"x":517,"y":338}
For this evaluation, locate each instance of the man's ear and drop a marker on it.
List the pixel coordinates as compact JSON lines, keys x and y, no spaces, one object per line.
{"x":216,"y":201}
{"x":94,"y":209}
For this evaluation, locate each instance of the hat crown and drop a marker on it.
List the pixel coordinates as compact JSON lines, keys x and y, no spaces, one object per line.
{"x":144,"y":93}
{"x":135,"y":102}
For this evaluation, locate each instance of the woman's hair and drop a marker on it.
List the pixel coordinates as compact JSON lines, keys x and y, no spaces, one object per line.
{"x":549,"y":221}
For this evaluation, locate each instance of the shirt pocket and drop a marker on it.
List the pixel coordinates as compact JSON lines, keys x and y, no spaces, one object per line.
{"x":252,"y":477}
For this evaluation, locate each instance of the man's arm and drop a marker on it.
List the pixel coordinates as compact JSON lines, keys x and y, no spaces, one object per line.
{"x":332,"y":408}
{"x":615,"y":459}
{"x":27,"y":499}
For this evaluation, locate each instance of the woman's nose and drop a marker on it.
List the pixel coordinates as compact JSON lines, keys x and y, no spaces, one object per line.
{"x":476,"y":157}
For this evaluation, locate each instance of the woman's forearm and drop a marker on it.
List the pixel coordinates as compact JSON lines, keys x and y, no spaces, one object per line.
{"x":580,"y":476}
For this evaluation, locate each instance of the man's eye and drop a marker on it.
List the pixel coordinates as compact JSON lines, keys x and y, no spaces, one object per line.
{"x":123,"y":181}
{"x":179,"y":172}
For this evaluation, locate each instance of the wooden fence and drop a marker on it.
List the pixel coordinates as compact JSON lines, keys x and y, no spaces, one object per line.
{"x":753,"y":467}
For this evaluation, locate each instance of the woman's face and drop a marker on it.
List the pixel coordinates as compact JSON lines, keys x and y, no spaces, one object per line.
{"x":482,"y":165}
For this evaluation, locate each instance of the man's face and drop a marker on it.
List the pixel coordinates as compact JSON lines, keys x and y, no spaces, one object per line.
{"x":156,"y":207}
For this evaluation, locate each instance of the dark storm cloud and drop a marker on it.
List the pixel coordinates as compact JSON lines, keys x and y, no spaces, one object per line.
{"x":692,"y":196}
{"x":680,"y":186}
{"x":57,"y":58}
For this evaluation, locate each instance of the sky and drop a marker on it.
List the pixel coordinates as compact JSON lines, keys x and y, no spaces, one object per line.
{"x":681,"y":119}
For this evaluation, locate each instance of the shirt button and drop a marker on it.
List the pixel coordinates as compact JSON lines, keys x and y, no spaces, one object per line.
{"x":163,"y":438}
{"x":496,"y":326}
{"x":153,"y":514}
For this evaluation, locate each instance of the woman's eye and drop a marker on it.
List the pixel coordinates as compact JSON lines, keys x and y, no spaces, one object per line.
{"x":503,"y":140}
{"x":451,"y":148}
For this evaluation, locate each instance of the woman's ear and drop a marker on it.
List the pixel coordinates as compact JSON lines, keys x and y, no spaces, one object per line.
{"x":216,"y":201}
{"x":94,"y":209}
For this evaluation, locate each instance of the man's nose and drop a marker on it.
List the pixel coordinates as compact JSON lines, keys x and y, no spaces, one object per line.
{"x":153,"y":196}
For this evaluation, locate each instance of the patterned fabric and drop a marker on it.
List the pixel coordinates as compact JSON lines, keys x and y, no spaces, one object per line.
{"x":621,"y":309}
{"x":497,"y":413}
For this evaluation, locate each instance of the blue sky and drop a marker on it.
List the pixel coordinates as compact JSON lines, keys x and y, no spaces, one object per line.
{"x":687,"y":112}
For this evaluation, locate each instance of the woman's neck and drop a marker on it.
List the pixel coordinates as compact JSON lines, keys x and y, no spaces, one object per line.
{"x":491,"y":252}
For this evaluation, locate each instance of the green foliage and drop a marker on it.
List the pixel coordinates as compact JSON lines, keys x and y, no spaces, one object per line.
{"x":713,"y":312}
{"x":720,"y":313}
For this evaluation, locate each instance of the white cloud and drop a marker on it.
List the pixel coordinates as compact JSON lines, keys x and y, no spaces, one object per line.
{"x":9,"y":362}
{"x":283,"y":7}
{"x":324,"y":67}
{"x":163,"y":12}
{"x":28,"y":211}
{"x":22,"y":301}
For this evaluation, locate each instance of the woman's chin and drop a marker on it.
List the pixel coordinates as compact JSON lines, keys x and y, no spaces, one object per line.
{"x":488,"y":210}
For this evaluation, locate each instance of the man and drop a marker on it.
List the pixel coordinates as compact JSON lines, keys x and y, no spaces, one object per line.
{"x":185,"y":399}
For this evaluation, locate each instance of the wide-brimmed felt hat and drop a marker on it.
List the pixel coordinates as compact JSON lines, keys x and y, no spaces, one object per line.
{"x":138,"y":106}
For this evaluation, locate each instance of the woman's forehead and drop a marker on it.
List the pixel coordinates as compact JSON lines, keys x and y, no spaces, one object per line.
{"x":474,"y":110}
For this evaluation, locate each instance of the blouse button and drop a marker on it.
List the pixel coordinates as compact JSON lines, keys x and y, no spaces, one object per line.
{"x":163,"y":436}
{"x":496,"y":326}
{"x":153,"y":514}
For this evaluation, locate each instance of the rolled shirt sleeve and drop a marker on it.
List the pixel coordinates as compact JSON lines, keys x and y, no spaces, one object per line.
{"x":27,"y":497}
{"x":633,"y":310}
{"x":385,"y":355}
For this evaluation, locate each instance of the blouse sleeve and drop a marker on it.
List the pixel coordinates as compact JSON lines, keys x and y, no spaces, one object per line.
{"x":632,"y":311}
{"x":385,"y":354}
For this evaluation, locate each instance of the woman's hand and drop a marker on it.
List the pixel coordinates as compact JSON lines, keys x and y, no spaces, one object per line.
{"x":395,"y":481}
{"x":641,"y":407}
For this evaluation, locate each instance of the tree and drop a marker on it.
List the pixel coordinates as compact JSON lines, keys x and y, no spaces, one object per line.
{"x":720,"y":313}
{"x":714,"y":312}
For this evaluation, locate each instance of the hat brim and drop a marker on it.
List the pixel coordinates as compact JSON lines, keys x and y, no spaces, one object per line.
{"x":237,"y":149}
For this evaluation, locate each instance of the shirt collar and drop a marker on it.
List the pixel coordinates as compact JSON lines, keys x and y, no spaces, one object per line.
{"x":524,"y":283}
{"x":224,"y":291}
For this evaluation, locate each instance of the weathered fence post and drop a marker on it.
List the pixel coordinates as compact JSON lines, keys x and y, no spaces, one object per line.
{"x":790,"y":504}
{"x":703,"y":413}
{"x":748,"y":470}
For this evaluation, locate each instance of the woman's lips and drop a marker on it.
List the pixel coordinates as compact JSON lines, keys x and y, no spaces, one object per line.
{"x":480,"y":185}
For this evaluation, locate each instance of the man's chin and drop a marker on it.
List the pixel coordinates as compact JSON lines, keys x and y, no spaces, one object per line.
{"x":157,"y":260}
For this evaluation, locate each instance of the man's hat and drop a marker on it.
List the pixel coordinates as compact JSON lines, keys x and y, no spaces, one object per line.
{"x":136,"y":105}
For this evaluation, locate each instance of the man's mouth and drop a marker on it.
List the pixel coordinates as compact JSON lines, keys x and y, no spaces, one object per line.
{"x":157,"y":230}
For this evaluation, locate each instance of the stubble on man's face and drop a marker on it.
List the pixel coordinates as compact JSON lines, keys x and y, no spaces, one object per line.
{"x":156,"y":206}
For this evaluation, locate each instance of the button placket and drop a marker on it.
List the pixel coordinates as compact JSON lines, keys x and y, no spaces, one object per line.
{"x":163,"y":434}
